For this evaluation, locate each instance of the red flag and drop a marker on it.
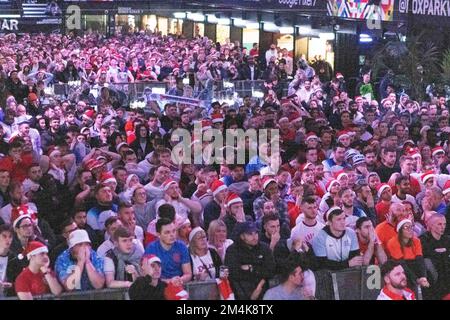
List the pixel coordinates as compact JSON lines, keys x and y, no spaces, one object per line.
{"x":226,"y":293}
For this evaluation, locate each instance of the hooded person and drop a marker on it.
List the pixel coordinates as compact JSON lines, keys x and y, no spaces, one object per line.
{"x":250,"y":263}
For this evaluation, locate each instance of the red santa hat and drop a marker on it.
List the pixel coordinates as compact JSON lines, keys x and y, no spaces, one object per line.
{"x":22,"y":212}
{"x":437,"y":150}
{"x":206,"y":124}
{"x":33,"y":248}
{"x":358,"y":98}
{"x":295,"y":117}
{"x":310,"y":136}
{"x":339,"y":75}
{"x":414,"y":152}
{"x":381,"y":188}
{"x":166,"y":184}
{"x":89,"y":114}
{"x":150,"y":258}
{"x":446,"y":187}
{"x":232,"y":199}
{"x":427,"y":175}
{"x":216,"y":118}
{"x":107,"y":177}
{"x":330,"y":184}
{"x":340,"y":174}
{"x":306,"y":166}
{"x":402,"y":223}
{"x":217,"y":186}
{"x":343,"y":134}
{"x":266,"y":181}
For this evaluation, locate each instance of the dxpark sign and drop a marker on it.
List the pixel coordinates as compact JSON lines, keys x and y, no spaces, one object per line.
{"x":9,"y":25}
{"x":439,"y":8}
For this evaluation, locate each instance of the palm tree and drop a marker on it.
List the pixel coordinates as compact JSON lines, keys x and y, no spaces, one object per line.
{"x":415,"y":63}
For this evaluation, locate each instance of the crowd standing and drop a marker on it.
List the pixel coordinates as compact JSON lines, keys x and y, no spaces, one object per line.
{"x":91,"y":198}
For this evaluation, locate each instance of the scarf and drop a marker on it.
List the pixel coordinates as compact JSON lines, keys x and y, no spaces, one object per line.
{"x":133,"y":258}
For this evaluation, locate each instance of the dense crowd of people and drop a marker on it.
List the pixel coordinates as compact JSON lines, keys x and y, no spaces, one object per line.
{"x":91,"y":198}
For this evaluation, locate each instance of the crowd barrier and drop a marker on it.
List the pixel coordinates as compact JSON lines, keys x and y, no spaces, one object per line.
{"x":348,"y":284}
{"x":127,"y":92}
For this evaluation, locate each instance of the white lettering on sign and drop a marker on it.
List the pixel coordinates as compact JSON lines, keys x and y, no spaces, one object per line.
{"x":9,"y":24}
{"x":431,"y":7}
{"x":293,"y":3}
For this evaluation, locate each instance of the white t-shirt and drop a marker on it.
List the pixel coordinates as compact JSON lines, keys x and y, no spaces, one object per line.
{"x":199,"y":267}
{"x":3,"y":266}
{"x":409,"y":198}
{"x":305,"y":232}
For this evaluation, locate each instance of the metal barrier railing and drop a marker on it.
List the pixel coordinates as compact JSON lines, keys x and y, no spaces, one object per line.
{"x":128,"y":92}
{"x":348,"y":284}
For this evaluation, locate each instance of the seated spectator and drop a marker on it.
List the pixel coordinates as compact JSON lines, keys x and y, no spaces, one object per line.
{"x":184,"y":228}
{"x":216,"y":208}
{"x":217,"y":238}
{"x":103,"y":209}
{"x":395,"y":287}
{"x":10,"y":265}
{"x":291,"y":284}
{"x":236,"y":181}
{"x":352,"y":213}
{"x":79,"y":267}
{"x":122,"y":263}
{"x":37,"y":278}
{"x":436,"y":247}
{"x":143,"y":209}
{"x":369,"y":246}
{"x":175,"y":271}
{"x":307,"y":226}
{"x":80,"y":218}
{"x":336,"y":246}
{"x":271,"y":193}
{"x":183,"y":206}
{"x":235,"y":212}
{"x":128,"y":219}
{"x":251,"y":263}
{"x":407,"y":249}
{"x":205,"y":261}
{"x":149,"y":285}
{"x":270,"y":232}
{"x":386,"y":230}
{"x":254,"y":191}
{"x":67,"y":228}
{"x":384,"y":195}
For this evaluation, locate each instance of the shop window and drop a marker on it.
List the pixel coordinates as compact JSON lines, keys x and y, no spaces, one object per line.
{"x":96,"y":23}
{"x":249,"y":37}
{"x":199,"y":29}
{"x":223,"y":34}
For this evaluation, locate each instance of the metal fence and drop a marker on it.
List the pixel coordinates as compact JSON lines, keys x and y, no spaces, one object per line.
{"x":125,"y":93}
{"x":348,"y":284}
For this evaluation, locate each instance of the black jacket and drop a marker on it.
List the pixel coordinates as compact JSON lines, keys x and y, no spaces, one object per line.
{"x":210,"y":213}
{"x":263,"y":267}
{"x":13,"y":269}
{"x":141,"y":289}
{"x":246,"y":74}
